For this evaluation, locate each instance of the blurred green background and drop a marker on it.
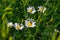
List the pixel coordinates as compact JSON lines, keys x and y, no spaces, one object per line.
{"x":16,"y":11}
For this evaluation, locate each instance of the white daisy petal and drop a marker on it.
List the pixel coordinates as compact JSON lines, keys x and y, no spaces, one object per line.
{"x":21,"y":26}
{"x":33,"y":12}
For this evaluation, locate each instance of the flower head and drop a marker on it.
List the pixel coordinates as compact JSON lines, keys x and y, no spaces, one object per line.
{"x":30,"y":23}
{"x":9,"y":24}
{"x":41,"y":8}
{"x":18,"y":27}
{"x":31,"y":10}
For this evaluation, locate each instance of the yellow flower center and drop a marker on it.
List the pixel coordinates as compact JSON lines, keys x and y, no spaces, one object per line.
{"x":18,"y":27}
{"x":30,"y":10}
{"x":29,"y":24}
{"x":41,"y":9}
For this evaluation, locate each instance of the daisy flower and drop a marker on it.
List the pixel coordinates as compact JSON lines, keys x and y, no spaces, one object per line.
{"x":30,"y":23}
{"x":31,"y":10}
{"x":41,"y":9}
{"x":18,"y":27}
{"x":9,"y":24}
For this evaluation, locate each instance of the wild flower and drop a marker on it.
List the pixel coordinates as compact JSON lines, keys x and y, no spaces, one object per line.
{"x":18,"y":26}
{"x":31,"y":10}
{"x":30,"y":23}
{"x":41,"y":9}
{"x":9,"y":24}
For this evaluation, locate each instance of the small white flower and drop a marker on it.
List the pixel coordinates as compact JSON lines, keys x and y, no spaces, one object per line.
{"x":18,"y":27}
{"x":9,"y":24}
{"x":41,"y":8}
{"x":31,"y":10}
{"x":30,"y":23}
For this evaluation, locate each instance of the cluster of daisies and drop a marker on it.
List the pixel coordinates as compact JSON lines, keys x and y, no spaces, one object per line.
{"x":32,"y":9}
{"x":28,"y":22}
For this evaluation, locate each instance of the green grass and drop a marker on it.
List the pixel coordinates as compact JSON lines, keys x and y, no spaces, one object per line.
{"x":16,"y":11}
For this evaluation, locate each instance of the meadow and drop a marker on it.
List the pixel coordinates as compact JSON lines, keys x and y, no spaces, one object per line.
{"x":29,"y":19}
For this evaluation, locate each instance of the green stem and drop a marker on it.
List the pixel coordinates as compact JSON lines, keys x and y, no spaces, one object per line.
{"x":29,"y":35}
